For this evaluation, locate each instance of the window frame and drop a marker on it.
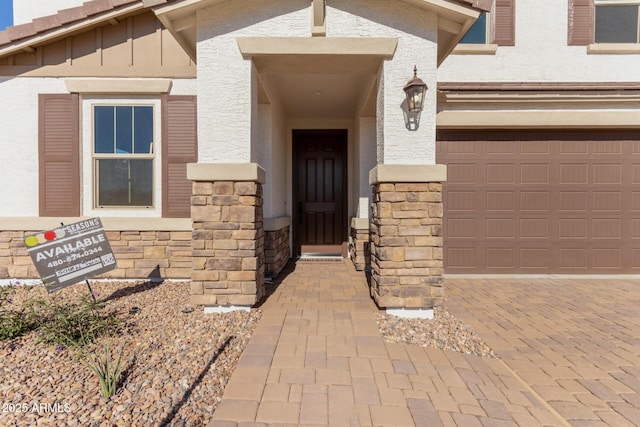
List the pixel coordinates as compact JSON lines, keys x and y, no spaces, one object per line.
{"x":614,"y":3}
{"x":487,"y":32}
{"x":90,"y":178}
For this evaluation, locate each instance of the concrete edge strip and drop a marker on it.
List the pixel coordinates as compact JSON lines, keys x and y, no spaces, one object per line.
{"x":544,"y":403}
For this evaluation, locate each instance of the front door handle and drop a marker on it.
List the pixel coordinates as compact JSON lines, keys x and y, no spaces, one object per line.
{"x":300,"y":212}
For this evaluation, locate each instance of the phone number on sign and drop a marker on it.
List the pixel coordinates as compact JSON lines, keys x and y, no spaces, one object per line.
{"x":74,"y":257}
{"x":35,"y":407}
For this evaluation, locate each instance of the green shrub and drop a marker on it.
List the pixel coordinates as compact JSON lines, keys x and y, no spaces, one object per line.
{"x":76,"y":324}
{"x":15,"y":322}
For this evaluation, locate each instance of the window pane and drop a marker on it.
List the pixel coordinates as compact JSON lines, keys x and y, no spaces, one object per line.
{"x":478,"y":32}
{"x":124,"y":128}
{"x":616,"y":24}
{"x":125,"y":182}
{"x":103,"y":129}
{"x":143,"y":129}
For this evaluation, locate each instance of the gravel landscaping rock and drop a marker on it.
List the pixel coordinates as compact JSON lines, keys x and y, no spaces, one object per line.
{"x":443,"y":331}
{"x":180,"y":362}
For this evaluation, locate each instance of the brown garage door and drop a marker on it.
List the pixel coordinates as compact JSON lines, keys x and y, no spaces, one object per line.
{"x":541,"y":202}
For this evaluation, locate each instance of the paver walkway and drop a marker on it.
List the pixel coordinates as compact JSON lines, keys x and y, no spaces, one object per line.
{"x":316,"y":358}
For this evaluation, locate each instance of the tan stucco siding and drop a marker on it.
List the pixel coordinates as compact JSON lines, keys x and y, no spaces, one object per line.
{"x":136,"y":46}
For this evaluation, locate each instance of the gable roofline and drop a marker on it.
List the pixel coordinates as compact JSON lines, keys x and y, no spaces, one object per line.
{"x":455,"y":18}
{"x":67,"y":21}
{"x":178,"y":16}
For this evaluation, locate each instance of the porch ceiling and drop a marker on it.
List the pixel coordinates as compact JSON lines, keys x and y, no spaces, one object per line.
{"x":320,"y":86}
{"x":323,"y":95}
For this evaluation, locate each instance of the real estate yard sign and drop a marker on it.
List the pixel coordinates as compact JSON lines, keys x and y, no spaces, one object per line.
{"x":70,"y":253}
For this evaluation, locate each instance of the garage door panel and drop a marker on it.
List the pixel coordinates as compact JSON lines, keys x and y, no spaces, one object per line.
{"x":635,"y":173}
{"x":607,"y":147}
{"x":572,"y":228}
{"x":500,"y":173}
{"x":461,"y":228}
{"x":573,"y":201}
{"x":500,"y":228}
{"x":534,"y":173}
{"x":635,"y":228}
{"x":500,"y":201}
{"x":460,"y":200}
{"x":535,"y":258}
{"x":535,"y":147}
{"x":462,"y":258}
{"x":534,"y":201}
{"x":541,"y":202}
{"x":574,"y":173}
{"x":573,"y":258}
{"x":461,"y":173}
{"x":606,"y":228}
{"x":606,"y":173}
{"x":497,"y":148}
{"x":500,"y":258}
{"x":572,"y":147}
{"x":635,"y":259}
{"x":606,"y":258}
{"x":534,"y":228}
{"x":604,"y":201}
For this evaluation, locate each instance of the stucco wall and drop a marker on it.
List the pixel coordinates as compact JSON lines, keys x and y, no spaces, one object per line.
{"x":27,"y":10}
{"x":541,"y":54}
{"x":19,"y":141}
{"x":278,"y":182}
{"x":367,"y":160}
{"x":417,"y":46}
{"x":226,"y":93}
{"x":271,"y":154}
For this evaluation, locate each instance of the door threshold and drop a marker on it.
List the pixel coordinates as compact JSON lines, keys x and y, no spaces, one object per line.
{"x":320,"y":257}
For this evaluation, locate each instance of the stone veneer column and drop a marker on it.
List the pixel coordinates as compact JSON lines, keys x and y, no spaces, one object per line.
{"x":228,"y":234}
{"x":276,"y":244}
{"x":359,"y":250}
{"x":406,"y":235}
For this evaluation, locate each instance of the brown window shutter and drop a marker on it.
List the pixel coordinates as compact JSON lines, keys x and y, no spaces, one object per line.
{"x":581,"y":26}
{"x":503,"y":23}
{"x":59,"y":155}
{"x":179,"y":147}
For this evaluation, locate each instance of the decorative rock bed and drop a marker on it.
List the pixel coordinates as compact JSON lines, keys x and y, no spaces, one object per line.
{"x":181,"y":366}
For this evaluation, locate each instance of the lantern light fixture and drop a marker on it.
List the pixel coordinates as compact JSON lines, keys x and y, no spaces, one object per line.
{"x":415,"y":90}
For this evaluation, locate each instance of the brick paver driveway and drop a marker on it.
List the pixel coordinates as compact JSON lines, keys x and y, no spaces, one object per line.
{"x":569,"y":348}
{"x":575,"y":342}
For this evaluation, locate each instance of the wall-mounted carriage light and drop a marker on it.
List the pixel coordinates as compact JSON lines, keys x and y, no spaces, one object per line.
{"x":415,"y":90}
{"x":412,"y":106}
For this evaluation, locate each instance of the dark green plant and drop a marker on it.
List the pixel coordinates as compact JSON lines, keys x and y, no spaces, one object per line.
{"x":76,"y":324}
{"x":15,"y":322}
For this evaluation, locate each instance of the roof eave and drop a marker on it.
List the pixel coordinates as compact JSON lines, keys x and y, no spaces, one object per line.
{"x":27,"y":44}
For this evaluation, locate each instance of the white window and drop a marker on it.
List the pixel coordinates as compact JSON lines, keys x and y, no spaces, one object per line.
{"x":617,"y":21}
{"x":121,"y":170}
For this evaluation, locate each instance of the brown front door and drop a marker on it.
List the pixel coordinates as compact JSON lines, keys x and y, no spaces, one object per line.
{"x":319,"y":191}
